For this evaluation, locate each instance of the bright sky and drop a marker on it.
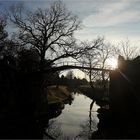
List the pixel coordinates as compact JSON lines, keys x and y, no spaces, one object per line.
{"x":116,"y":20}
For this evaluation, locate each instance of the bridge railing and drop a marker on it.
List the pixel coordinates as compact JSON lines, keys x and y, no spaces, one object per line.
{"x":68,"y":63}
{"x":71,"y":63}
{"x":77,"y":65}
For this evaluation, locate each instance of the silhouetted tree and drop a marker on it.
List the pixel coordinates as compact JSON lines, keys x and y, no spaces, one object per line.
{"x":70,"y":75}
{"x":105,"y":53}
{"x":3,"y":33}
{"x":28,"y":60}
{"x":50,"y":31}
{"x":127,"y":50}
{"x":97,"y":57}
{"x":8,"y":48}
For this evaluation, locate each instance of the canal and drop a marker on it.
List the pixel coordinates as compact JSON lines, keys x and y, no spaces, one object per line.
{"x":75,"y":121}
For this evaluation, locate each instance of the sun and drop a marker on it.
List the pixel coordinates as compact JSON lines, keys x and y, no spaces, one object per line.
{"x":112,"y":63}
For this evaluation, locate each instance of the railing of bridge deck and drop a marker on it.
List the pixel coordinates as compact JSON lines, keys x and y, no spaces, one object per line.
{"x":71,"y":63}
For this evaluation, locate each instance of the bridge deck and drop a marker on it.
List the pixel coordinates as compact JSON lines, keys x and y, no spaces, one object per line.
{"x":73,"y":65}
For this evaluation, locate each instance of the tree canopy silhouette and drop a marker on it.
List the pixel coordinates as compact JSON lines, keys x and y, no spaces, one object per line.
{"x":3,"y":33}
{"x":48,"y":30}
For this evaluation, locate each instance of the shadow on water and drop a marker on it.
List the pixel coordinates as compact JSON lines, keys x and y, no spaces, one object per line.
{"x":75,"y":116}
{"x":24,"y":126}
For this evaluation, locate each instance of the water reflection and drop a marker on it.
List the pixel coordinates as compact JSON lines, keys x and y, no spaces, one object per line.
{"x":77,"y":120}
{"x":69,"y":120}
{"x":52,"y":131}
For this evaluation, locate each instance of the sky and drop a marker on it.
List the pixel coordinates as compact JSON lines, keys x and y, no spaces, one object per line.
{"x":116,"y":20}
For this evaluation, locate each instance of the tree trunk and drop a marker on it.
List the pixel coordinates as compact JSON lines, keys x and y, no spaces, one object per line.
{"x":43,"y":92}
{"x":42,"y":61}
{"x":90,"y":78}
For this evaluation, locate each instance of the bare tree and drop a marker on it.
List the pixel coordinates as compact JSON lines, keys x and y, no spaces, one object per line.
{"x":50,"y":31}
{"x":105,"y":53}
{"x":126,"y":50}
{"x":89,"y":59}
{"x":8,"y":47}
{"x":97,"y":57}
{"x":3,"y":33}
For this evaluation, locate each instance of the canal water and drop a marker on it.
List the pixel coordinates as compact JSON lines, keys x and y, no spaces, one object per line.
{"x":75,"y":121}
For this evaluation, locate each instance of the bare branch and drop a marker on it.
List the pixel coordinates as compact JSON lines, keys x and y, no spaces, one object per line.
{"x":50,"y":30}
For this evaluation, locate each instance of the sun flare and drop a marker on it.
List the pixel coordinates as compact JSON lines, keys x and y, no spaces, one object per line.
{"x":112,"y":63}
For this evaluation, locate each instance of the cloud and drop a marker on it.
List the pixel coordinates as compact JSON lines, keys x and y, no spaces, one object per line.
{"x":113,"y":13}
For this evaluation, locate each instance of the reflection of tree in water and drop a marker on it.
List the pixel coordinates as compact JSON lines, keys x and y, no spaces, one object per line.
{"x":53,"y":131}
{"x":89,"y":126}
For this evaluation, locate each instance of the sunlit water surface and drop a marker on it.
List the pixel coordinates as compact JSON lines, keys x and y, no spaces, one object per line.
{"x":75,"y":120}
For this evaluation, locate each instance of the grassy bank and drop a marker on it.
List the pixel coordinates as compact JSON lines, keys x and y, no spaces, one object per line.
{"x":58,"y":94}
